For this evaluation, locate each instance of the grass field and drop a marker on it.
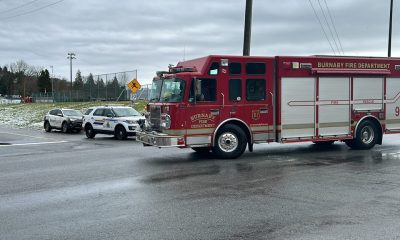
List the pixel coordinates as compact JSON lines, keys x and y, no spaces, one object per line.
{"x":30,"y":115}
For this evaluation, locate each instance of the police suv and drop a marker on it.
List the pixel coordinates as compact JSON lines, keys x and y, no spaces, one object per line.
{"x":119,"y":121}
{"x":63,"y":119}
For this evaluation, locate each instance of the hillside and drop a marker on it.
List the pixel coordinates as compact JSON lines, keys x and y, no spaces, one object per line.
{"x":30,"y":115}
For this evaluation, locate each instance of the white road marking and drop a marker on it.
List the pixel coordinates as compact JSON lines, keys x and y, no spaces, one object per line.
{"x":35,"y":143}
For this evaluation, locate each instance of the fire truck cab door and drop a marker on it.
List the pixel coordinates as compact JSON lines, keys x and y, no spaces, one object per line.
{"x":203,"y":111}
{"x":256,"y":106}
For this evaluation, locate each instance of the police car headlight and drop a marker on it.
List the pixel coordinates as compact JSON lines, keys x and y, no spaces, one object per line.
{"x":165,"y":121}
{"x":130,"y":121}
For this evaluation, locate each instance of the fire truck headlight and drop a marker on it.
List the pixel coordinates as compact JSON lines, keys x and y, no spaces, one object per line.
{"x":165,"y":121}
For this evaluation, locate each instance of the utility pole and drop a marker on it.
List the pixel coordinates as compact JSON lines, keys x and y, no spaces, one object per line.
{"x":247,"y":28}
{"x":70,"y":57}
{"x":52,"y":83}
{"x":390,"y":29}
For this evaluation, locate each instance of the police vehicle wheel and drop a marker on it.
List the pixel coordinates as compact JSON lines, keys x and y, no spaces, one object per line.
{"x":230,"y":142}
{"x":89,"y":131}
{"x":366,"y":136}
{"x":47,"y":127}
{"x":120,"y":133}
{"x":64,"y":127}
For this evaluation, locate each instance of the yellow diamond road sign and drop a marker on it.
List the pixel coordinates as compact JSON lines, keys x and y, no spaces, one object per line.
{"x":134,"y":85}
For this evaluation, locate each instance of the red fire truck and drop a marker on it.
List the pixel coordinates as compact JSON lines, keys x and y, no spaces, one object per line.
{"x":225,"y":103}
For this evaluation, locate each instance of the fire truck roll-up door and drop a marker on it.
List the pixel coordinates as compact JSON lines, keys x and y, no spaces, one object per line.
{"x":368,"y":93}
{"x":334,"y":106}
{"x":315,"y":107}
{"x":298,"y":107}
{"x":392,"y":104}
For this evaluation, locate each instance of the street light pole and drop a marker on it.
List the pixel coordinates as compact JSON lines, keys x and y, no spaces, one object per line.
{"x":390,"y":29}
{"x":247,"y":28}
{"x":70,"y":57}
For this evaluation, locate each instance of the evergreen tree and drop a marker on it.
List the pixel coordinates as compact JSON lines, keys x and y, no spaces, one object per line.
{"x":115,"y":87}
{"x":90,"y":81}
{"x":90,"y":86}
{"x":44,"y":81}
{"x":78,"y":83}
{"x":3,"y":83}
{"x":100,"y":88}
{"x":7,"y":82}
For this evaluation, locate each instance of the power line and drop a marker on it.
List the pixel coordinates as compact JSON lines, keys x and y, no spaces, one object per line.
{"x":32,"y":11}
{"x":20,"y":6}
{"x":322,"y":27}
{"x":329,"y":27}
{"x":334,"y":28}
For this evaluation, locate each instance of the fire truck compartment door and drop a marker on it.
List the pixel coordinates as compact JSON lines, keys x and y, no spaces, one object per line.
{"x":298,"y":107}
{"x":393,"y":104}
{"x":368,"y":94}
{"x":334,"y":106}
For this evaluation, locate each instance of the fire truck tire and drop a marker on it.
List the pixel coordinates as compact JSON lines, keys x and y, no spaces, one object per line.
{"x":120,"y":133}
{"x":202,"y":150}
{"x":90,"y":133}
{"x":350,"y":143}
{"x":230,"y":142}
{"x":47,"y":126}
{"x":366,"y":136}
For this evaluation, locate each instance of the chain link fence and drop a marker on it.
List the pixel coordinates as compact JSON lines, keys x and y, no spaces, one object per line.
{"x":104,"y":87}
{"x":142,"y":94}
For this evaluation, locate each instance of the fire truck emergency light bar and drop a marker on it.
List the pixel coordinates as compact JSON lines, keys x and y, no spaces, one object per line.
{"x":181,"y":69}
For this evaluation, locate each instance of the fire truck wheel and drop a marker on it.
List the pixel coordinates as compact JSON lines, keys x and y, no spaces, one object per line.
{"x":201,"y":150}
{"x":350,"y":143}
{"x":89,"y":131}
{"x":366,"y":136}
{"x":230,"y":142}
{"x":120,"y":133}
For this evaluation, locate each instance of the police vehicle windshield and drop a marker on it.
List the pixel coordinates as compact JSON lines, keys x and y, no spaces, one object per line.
{"x":72,"y":113}
{"x":125,"y":112}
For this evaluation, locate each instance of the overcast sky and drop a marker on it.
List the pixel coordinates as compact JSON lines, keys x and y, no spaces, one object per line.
{"x":123,"y":35}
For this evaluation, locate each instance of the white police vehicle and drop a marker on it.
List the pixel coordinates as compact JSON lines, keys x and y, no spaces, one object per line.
{"x":119,"y":121}
{"x":63,"y":119}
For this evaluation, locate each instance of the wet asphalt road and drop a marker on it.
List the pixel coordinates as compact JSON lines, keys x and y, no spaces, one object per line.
{"x":57,"y":186}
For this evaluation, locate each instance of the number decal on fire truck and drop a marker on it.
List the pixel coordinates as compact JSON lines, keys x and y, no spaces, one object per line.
{"x":255,"y":114}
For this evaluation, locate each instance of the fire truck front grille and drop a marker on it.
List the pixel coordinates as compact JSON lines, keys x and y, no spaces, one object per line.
{"x":155,"y":117}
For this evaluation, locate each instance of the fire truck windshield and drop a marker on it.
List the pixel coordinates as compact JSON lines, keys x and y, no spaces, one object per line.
{"x":167,"y":90}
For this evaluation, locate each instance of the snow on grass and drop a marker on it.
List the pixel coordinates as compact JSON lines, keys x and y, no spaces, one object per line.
{"x":30,"y":115}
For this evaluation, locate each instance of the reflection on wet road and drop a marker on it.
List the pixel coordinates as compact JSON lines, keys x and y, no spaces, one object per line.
{"x":109,"y":189}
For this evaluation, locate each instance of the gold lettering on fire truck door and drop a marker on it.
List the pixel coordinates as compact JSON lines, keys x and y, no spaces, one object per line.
{"x":202,"y":120}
